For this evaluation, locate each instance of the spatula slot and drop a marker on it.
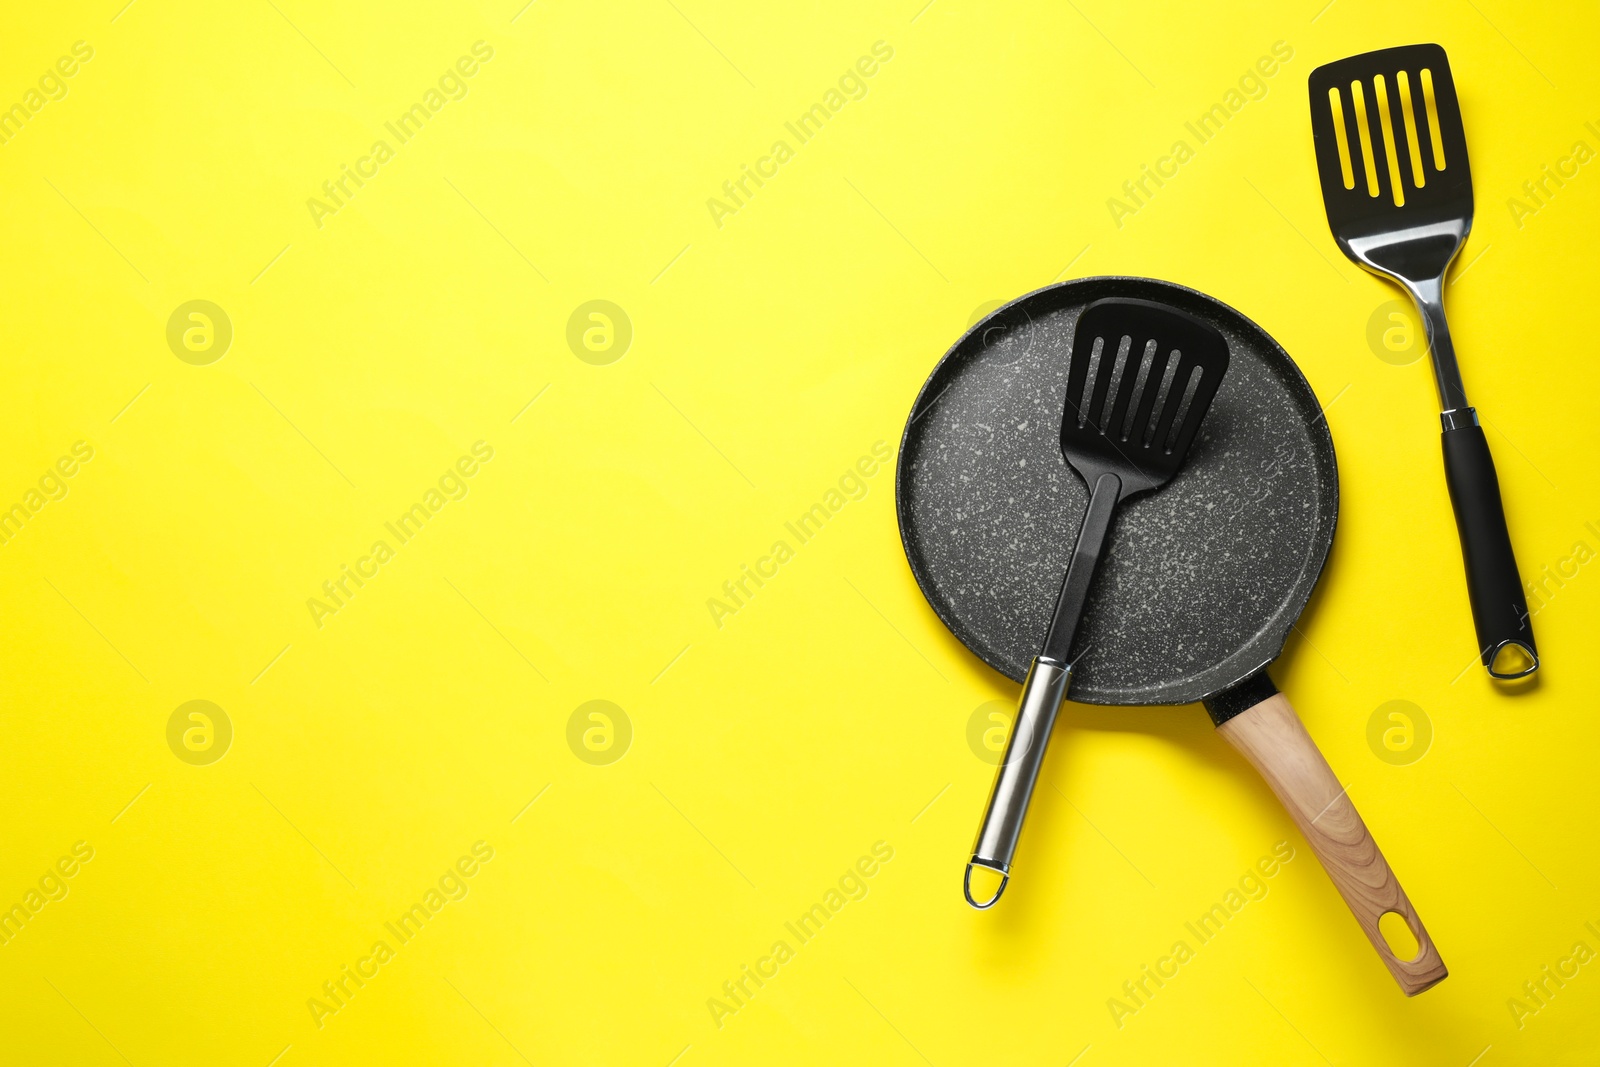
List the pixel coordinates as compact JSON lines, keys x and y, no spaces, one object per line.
{"x":1104,"y":409}
{"x":1191,"y":386}
{"x":1433,"y":119}
{"x":1341,"y":137}
{"x":1419,"y":177}
{"x":1081,"y":381}
{"x":1150,"y":416}
{"x":1386,"y":121}
{"x":1364,"y":133}
{"x":1136,"y":413}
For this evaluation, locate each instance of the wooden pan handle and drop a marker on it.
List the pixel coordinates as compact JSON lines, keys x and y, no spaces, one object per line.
{"x":1272,"y":738}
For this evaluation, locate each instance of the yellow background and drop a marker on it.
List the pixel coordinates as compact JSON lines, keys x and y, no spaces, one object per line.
{"x":768,"y":354}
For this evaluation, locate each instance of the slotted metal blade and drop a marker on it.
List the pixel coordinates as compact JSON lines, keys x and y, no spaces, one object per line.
{"x":1410,"y":170}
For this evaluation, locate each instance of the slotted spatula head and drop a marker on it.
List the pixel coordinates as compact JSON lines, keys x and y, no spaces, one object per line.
{"x":1392,"y":159}
{"x":1155,"y":372}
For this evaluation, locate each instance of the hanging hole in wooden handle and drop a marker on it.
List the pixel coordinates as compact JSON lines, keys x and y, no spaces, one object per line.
{"x":1271,"y":736}
{"x":1397,"y":934}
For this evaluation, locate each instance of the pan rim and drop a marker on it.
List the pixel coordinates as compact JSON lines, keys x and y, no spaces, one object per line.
{"x":1324,"y":454}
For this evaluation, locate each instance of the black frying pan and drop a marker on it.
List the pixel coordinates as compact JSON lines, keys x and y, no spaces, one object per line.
{"x":1202,"y":581}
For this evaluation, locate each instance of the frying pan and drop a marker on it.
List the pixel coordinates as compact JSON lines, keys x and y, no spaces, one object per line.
{"x":1202,"y":581}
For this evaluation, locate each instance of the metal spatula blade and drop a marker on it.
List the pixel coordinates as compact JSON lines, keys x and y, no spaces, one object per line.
{"x":1392,"y":159}
{"x":1141,"y":379}
{"x":1391,"y":148}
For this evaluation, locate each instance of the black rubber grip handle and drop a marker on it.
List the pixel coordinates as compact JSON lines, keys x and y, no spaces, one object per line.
{"x":1499,"y":607}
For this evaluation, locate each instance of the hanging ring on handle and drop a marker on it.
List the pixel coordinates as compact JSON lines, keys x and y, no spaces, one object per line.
{"x":966,"y":883}
{"x":1530,"y":657}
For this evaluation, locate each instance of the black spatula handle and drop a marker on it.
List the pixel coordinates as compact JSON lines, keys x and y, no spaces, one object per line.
{"x":1499,"y":607}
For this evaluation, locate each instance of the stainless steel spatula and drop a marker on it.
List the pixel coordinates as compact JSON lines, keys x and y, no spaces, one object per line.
{"x":1126,"y":430}
{"x":1392,"y":157}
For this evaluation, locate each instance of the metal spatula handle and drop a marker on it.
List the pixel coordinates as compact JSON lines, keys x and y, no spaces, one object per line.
{"x":1042,"y":693}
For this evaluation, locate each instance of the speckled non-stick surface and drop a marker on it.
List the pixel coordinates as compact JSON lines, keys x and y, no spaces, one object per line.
{"x":1203,"y":579}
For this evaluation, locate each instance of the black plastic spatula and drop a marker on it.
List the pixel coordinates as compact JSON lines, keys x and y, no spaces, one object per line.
{"x":1140,"y":380}
{"x":1392,"y":158}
